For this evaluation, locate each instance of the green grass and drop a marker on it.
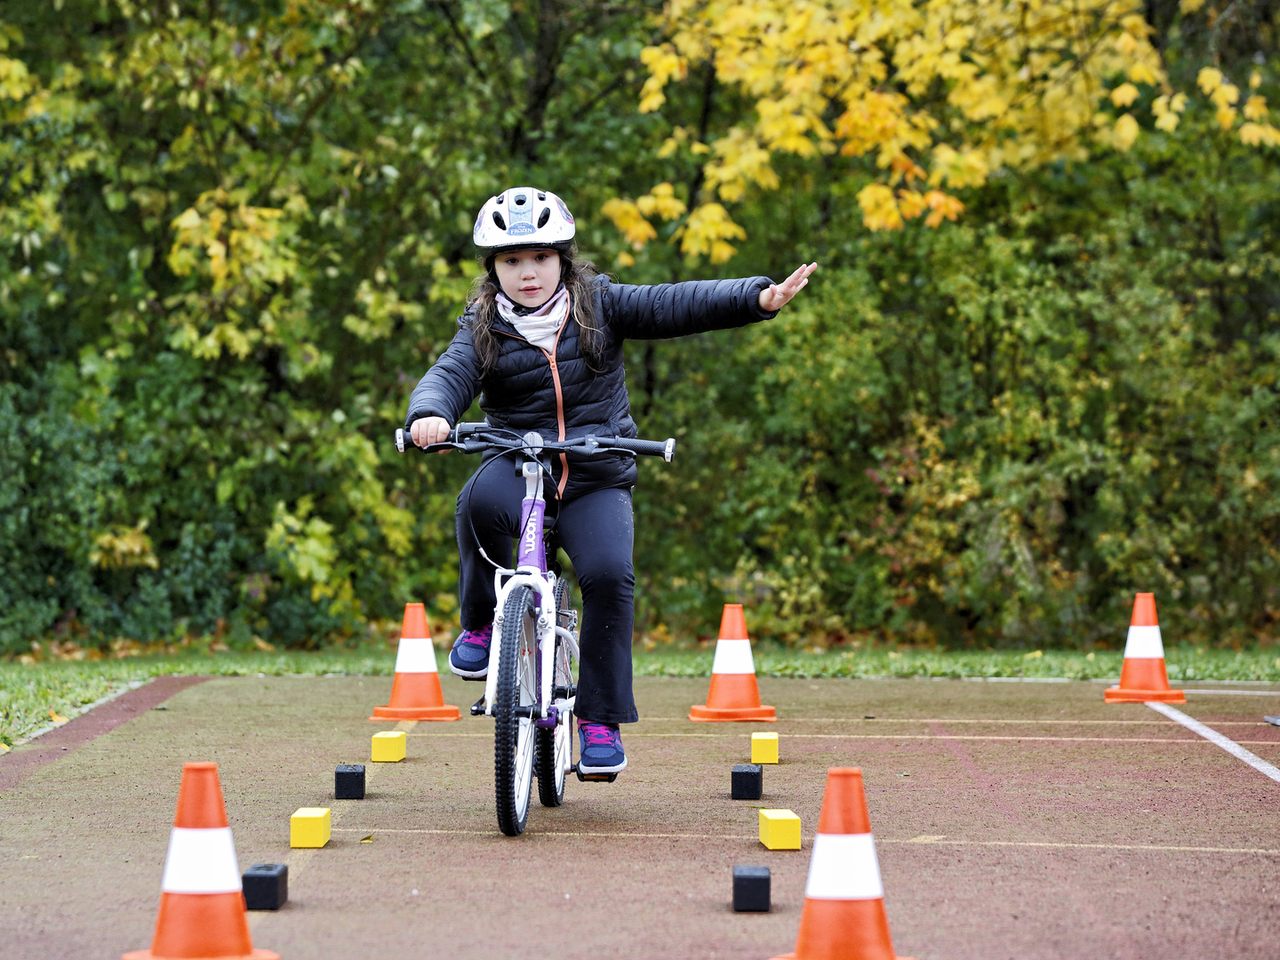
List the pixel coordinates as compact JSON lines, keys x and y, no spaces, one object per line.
{"x":1182,"y":663}
{"x":28,"y":692}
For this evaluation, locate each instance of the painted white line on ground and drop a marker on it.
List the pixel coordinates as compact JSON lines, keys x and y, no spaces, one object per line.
{"x":1156,"y":848}
{"x":1215,"y":692}
{"x":1221,"y":684}
{"x":946,"y":736}
{"x":610,"y":834}
{"x":893,"y":736}
{"x":1010,"y":679}
{"x":979,"y":720}
{"x":1217,"y":739}
{"x":940,"y":841}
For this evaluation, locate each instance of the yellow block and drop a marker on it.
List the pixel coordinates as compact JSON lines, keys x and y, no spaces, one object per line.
{"x":310,"y":827}
{"x":779,"y":829}
{"x":389,"y":746}
{"x":764,"y":748}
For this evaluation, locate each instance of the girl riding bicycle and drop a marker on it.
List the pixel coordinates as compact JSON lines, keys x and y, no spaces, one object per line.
{"x":540,"y":342}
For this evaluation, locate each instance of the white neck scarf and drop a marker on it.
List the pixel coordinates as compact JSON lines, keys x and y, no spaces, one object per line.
{"x":538,"y":326}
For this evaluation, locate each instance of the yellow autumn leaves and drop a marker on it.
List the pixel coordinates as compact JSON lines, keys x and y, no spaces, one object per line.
{"x":938,"y":95}
{"x":706,"y":232}
{"x":243,"y":250}
{"x":122,"y":547}
{"x":883,"y":209}
{"x":15,"y":81}
{"x":1255,"y":131}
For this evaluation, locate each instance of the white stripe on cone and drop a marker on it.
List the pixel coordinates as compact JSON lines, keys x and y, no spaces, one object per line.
{"x":201,"y":861}
{"x":415,"y":655}
{"x":733,"y":656}
{"x":843,"y":866}
{"x":1143,"y":643}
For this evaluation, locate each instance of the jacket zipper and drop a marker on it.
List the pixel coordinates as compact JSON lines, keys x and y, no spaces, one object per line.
{"x":555,"y":380}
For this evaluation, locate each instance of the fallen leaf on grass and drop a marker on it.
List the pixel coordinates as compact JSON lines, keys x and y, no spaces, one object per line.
{"x":368,"y":839}
{"x":57,"y":718}
{"x":5,"y":748}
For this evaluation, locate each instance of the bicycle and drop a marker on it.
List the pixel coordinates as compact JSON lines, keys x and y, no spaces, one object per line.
{"x":530,"y":688}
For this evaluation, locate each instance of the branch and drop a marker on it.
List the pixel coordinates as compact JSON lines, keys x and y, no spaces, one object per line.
{"x":317,"y":103}
{"x":456,"y":29}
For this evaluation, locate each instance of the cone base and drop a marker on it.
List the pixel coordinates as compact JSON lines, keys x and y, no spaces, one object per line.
{"x":712,"y":714}
{"x":792,"y":956}
{"x":442,"y":713}
{"x":255,"y":955}
{"x":1131,"y":695}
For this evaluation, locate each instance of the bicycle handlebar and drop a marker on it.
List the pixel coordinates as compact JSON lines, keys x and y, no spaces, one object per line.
{"x":478,"y":437}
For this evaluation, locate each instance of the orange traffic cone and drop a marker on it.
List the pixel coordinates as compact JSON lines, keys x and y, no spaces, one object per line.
{"x":733,"y":694}
{"x":415,"y":690}
{"x":1143,"y":676}
{"x":202,"y":912}
{"x":843,"y":916}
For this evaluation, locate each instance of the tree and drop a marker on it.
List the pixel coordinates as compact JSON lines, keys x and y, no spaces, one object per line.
{"x":921,"y":101}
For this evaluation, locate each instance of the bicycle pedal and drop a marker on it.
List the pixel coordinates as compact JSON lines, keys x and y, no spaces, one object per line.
{"x":594,"y":777}
{"x":477,"y":708}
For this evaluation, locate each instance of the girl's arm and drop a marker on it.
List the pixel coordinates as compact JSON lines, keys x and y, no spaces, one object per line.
{"x":661,"y":310}
{"x":449,"y":387}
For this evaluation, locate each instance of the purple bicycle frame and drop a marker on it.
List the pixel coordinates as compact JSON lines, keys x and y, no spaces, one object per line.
{"x":532,"y":551}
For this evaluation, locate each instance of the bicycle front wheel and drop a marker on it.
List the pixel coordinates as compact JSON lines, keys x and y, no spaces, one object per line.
{"x":554,"y":755}
{"x":513,"y":741}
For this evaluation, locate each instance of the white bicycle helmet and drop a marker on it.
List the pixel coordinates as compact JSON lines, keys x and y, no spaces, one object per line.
{"x":523,"y":217}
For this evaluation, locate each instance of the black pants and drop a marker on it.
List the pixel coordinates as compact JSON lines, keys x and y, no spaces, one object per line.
{"x":596,"y":530}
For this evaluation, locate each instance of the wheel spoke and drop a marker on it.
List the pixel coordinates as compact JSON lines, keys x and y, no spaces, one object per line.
{"x":514,"y":736}
{"x":555,"y":745}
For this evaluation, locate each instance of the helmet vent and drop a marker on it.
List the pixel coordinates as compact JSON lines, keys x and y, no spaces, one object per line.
{"x":521,"y":199}
{"x":544,"y":217}
{"x":542,"y":197}
{"x":497,"y":218}
{"x":500,"y":199}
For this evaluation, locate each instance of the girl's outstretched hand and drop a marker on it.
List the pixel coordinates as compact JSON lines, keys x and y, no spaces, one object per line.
{"x":778,"y":295}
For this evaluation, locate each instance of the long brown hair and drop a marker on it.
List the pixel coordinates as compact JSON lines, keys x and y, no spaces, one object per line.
{"x":578,"y":276}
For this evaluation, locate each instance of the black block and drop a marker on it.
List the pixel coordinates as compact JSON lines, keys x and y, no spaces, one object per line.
{"x":266,"y":886}
{"x":748,"y":781}
{"x":348,"y":782}
{"x":750,"y":888}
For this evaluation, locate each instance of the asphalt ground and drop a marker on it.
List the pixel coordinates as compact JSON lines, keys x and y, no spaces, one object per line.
{"x":1026,"y":820}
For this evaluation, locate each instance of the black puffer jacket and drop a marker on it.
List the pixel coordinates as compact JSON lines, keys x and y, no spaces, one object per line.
{"x":563,"y":397}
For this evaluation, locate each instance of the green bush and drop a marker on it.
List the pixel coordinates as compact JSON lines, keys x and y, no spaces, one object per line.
{"x":999,"y":432}
{"x":230,"y":244}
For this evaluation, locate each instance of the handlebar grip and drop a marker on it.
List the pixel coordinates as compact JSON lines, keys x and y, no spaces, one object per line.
{"x":405,"y":442}
{"x":666,"y":449}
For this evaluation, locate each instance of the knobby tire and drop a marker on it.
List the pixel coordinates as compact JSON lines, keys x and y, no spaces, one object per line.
{"x":551,"y":762}
{"x":513,"y":744}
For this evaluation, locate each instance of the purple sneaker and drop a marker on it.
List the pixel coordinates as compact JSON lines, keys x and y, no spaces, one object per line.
{"x":601,"y":748}
{"x":469,"y":657}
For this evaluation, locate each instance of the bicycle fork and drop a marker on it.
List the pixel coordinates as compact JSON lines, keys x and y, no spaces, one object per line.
{"x":531,"y":571}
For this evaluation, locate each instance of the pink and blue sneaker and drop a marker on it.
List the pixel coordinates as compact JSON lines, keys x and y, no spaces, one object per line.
{"x":469,"y":657}
{"x":601,"y":745}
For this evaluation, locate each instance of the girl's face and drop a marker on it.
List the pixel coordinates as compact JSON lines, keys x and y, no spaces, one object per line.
{"x":529,"y":277}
